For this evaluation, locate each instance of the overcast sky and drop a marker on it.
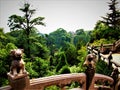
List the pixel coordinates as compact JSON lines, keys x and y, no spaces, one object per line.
{"x":68,"y":14}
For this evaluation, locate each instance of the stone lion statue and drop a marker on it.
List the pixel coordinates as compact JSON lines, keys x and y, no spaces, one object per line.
{"x":90,"y":60}
{"x":17,"y":65}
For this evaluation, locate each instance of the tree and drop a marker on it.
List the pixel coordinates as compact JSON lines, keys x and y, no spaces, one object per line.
{"x":109,"y":27}
{"x":57,"y":39}
{"x":25,"y":23}
{"x":81,"y":38}
{"x":62,"y":61}
{"x":5,"y":47}
{"x":71,"y":54}
{"x":101,"y":30}
{"x":112,"y":19}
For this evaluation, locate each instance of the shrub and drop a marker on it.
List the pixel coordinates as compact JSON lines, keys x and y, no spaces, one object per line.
{"x":64,"y":70}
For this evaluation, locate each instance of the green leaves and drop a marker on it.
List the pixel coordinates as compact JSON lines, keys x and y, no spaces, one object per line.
{"x":109,"y":27}
{"x":25,"y":8}
{"x":37,"y":68}
{"x":16,"y":22}
{"x":37,"y":21}
{"x":102,"y":68}
{"x":25,"y":23}
{"x":113,"y":17}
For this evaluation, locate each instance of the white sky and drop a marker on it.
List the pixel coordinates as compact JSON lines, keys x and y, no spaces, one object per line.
{"x":68,"y":14}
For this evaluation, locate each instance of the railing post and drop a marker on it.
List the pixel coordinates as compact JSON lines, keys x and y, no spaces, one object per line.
{"x":101,"y":47}
{"x":99,"y":55}
{"x":89,"y":77}
{"x":109,"y":60}
{"x":18,"y":76}
{"x":113,"y":47}
{"x":90,"y":71}
{"x":115,"y":76}
{"x":19,"y":82}
{"x":92,"y":49}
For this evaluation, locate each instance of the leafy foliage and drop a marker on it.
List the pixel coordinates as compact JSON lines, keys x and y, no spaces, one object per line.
{"x":81,"y":38}
{"x":71,"y":54}
{"x":112,"y":19}
{"x":102,"y":68}
{"x":55,"y":53}
{"x":109,"y":27}
{"x":57,"y":39}
{"x":25,"y":23}
{"x":62,"y":61}
{"x":53,"y":87}
{"x":102,"y":41}
{"x":64,"y":70}
{"x":5,"y":48}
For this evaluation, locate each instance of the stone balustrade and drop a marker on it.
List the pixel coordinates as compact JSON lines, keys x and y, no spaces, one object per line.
{"x":106,"y":48}
{"x":101,"y":56}
{"x":86,"y":81}
{"x":65,"y":79}
{"x":59,"y":80}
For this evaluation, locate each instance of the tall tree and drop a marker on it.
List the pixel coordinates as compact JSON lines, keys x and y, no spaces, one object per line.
{"x":109,"y":27}
{"x":81,"y":38}
{"x":112,"y":19}
{"x":25,"y":23}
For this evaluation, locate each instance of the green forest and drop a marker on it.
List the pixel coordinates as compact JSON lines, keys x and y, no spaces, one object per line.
{"x":58,"y":52}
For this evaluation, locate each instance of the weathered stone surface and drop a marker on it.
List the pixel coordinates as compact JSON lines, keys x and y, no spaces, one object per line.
{"x":19,"y":82}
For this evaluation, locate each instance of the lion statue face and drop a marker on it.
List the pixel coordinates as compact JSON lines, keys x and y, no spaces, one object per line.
{"x":90,"y":60}
{"x":16,"y":54}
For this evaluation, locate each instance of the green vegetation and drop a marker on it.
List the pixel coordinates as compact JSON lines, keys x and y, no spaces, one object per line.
{"x":102,"y":68}
{"x":25,"y":23}
{"x":109,"y":27}
{"x":55,"y":53}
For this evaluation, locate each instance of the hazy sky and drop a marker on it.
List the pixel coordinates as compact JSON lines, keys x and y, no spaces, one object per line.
{"x":68,"y":14}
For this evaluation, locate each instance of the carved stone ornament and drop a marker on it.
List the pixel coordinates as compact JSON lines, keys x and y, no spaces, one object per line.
{"x":17,"y":65}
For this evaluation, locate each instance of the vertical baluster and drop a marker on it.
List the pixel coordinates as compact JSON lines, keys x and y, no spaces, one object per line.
{"x":99,"y":55}
{"x":109,"y":60}
{"x":115,"y":75}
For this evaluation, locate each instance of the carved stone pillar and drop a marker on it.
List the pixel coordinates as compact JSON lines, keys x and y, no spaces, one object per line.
{"x":115,"y":76}
{"x":90,"y":71}
{"x":113,"y":49}
{"x":101,"y":48}
{"x":20,"y":82}
{"x":109,"y":60}
{"x":18,"y":76}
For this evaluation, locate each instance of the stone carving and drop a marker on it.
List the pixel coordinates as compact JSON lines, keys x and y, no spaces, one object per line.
{"x":17,"y":65}
{"x":116,"y":78}
{"x":90,"y":71}
{"x":90,"y":61}
{"x":18,"y":76}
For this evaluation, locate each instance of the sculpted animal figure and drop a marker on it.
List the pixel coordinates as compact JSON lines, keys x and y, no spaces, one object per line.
{"x":90,"y":62}
{"x":17,"y":65}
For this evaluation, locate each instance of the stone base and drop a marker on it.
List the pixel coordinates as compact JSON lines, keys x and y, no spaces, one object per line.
{"x":19,"y":82}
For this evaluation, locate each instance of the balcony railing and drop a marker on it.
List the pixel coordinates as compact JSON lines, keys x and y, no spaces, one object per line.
{"x":65,"y":79}
{"x":87,"y":81}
